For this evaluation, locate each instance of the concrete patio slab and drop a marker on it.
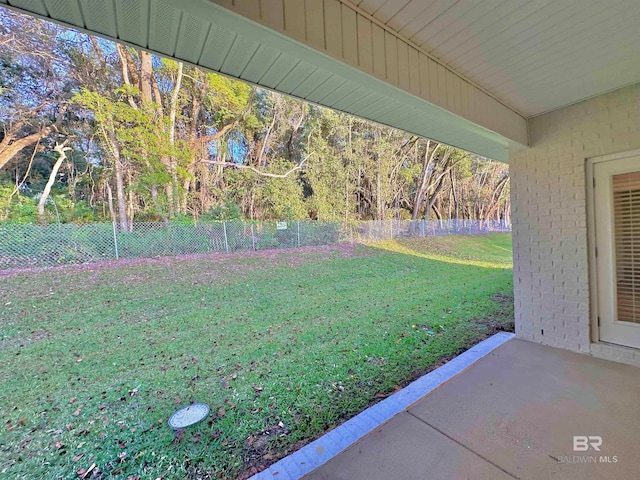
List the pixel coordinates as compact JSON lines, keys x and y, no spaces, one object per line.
{"x":516,"y":411}
{"x":408,"y":449}
{"x":521,"y":406}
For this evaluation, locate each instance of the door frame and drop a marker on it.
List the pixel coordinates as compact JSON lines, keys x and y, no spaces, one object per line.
{"x":591,"y":235}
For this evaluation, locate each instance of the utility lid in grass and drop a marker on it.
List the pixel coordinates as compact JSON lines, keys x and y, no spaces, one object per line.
{"x":188,"y":415}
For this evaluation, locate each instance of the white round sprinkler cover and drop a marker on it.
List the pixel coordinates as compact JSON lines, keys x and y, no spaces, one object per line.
{"x":188,"y":415}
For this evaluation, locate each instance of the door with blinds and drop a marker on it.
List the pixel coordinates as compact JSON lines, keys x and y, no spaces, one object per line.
{"x":617,"y":219}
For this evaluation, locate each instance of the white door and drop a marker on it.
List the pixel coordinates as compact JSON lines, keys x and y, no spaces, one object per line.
{"x":617,"y":217}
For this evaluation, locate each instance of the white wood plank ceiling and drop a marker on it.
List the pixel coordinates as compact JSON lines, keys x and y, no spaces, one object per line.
{"x":464,"y":72}
{"x":535,"y":55}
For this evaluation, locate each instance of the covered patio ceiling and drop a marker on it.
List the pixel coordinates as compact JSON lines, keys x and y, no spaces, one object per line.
{"x":464,"y":72}
{"x":535,"y":55}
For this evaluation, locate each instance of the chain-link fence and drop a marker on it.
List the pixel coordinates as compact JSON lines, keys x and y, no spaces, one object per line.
{"x":385,"y":229}
{"x":64,"y":244}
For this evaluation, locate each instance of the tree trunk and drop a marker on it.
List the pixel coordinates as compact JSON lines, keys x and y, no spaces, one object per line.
{"x":112,"y":211}
{"x":265,"y":142}
{"x":453,"y":192}
{"x":379,"y":213}
{"x":131,"y":206}
{"x":61,"y":150}
{"x":346,"y":196}
{"x":294,"y":131}
{"x":173,"y":107}
{"x":151,"y":95}
{"x":146,"y":74}
{"x":439,"y":186}
{"x":120,"y":195}
{"x":124,"y":69}
{"x":425,"y":176}
{"x":438,"y":215}
{"x":185,"y":195}
{"x":496,"y":198}
{"x":10,"y":150}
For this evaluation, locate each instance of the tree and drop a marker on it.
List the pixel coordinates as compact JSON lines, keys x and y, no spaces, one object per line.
{"x":156,"y":140}
{"x":33,"y":87}
{"x":61,"y":149}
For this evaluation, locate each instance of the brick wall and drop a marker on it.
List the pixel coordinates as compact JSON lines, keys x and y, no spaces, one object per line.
{"x":548,"y":192}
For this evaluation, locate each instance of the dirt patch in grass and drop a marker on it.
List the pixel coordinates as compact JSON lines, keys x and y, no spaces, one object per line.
{"x":503,"y":321}
{"x":21,"y":341}
{"x":346,"y":250}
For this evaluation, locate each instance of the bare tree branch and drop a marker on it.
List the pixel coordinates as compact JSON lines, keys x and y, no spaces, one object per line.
{"x":201,"y":141}
{"x":259,"y":172}
{"x":28,"y":171}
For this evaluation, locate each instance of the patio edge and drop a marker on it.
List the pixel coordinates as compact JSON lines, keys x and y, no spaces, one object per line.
{"x":320,"y":451}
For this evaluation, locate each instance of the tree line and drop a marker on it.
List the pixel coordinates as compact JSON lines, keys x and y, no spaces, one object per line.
{"x":97,"y":131}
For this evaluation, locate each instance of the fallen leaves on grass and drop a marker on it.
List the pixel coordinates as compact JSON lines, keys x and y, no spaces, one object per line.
{"x":274,"y":392}
{"x":178,"y":436}
{"x":396,"y":389}
{"x":82,"y":473}
{"x":377,"y":360}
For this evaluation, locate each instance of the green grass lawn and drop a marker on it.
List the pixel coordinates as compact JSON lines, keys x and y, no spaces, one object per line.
{"x":282,"y":346}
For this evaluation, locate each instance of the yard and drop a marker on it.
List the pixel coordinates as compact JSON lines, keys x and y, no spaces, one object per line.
{"x":282,"y":346}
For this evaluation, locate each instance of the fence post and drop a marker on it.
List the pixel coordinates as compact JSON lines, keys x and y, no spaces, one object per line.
{"x":298,"y":233}
{"x":226,"y":242}
{"x":115,"y":240}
